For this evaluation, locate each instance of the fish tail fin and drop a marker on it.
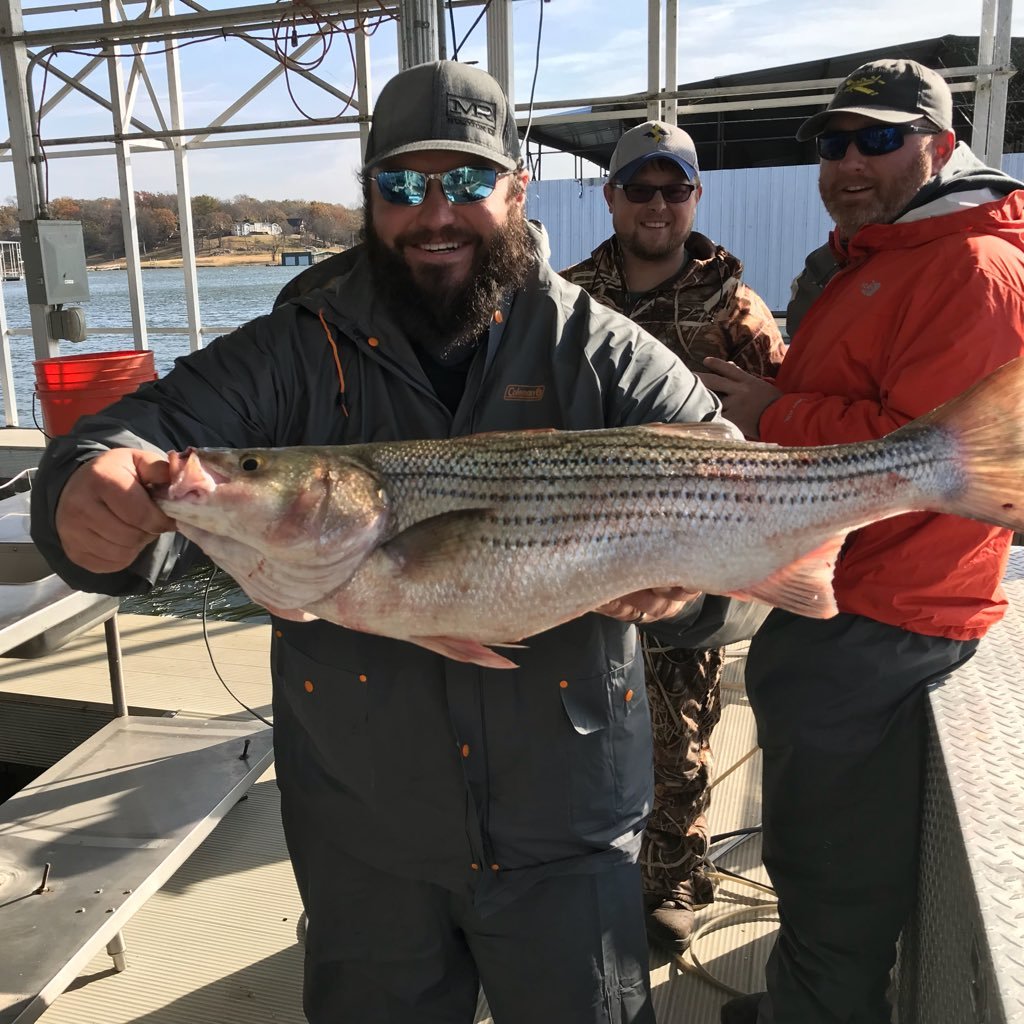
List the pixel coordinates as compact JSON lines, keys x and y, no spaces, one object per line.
{"x":986,"y":425}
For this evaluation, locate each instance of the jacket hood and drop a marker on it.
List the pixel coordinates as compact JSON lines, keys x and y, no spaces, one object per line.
{"x":964,"y":172}
{"x":1003,"y":217}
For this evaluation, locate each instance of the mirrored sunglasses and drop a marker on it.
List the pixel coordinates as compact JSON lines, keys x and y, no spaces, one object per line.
{"x":872,"y":140}
{"x":460,"y":185}
{"x":676,"y":193}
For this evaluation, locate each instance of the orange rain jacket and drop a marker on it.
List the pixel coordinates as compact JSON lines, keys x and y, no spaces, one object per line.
{"x":919,"y":310}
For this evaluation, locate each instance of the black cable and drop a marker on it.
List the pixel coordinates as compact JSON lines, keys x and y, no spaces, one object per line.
{"x":455,"y":55}
{"x":451,"y":18}
{"x":737,"y":875}
{"x":752,"y":831}
{"x":206,"y":637}
{"x":536,"y":69}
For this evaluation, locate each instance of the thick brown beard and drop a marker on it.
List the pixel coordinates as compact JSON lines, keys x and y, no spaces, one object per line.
{"x":447,"y":320}
{"x":891,"y":199}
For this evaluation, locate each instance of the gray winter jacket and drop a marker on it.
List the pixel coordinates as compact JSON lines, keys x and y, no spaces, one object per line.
{"x":482,"y":781}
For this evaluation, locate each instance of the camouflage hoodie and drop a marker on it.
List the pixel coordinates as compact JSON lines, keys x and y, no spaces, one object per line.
{"x":705,"y":310}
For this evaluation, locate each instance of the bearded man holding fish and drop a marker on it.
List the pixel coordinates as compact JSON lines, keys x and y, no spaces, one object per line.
{"x":925,"y":296}
{"x":456,"y":815}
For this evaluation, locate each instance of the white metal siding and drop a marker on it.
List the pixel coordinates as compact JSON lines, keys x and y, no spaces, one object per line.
{"x":770,"y":217}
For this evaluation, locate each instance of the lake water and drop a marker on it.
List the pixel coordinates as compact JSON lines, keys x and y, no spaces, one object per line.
{"x":228,"y":297}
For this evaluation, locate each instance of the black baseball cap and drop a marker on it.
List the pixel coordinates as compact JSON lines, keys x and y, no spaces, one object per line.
{"x":443,"y":105}
{"x":890,"y":91}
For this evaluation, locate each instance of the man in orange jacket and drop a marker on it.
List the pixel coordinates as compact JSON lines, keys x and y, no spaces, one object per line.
{"x":927,"y":298}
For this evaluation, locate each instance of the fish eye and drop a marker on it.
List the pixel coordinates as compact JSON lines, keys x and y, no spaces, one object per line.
{"x":250,"y":463}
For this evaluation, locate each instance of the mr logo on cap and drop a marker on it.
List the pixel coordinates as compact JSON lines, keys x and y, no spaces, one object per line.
{"x":654,"y":140}
{"x":447,"y":106}
{"x":888,"y":91}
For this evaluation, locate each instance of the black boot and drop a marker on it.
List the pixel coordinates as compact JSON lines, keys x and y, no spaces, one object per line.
{"x":742,"y":1010}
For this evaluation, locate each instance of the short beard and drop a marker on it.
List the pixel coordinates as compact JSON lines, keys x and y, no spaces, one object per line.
{"x":891,"y":198}
{"x":654,"y":253}
{"x":443,"y":318}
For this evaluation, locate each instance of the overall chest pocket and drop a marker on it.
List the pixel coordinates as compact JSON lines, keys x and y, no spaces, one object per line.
{"x":331,"y":705}
{"x":609,"y":749}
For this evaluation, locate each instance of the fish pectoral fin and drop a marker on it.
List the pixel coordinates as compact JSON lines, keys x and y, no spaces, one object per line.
{"x":435,"y":541}
{"x":460,"y":649}
{"x":721,"y":431}
{"x":803,"y":587}
{"x":291,"y":614}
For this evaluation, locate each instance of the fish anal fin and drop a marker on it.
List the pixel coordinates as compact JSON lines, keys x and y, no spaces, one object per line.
{"x":803,"y":587}
{"x":460,"y":649}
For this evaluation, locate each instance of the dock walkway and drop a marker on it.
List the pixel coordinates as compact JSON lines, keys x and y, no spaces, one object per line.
{"x":219,"y":942}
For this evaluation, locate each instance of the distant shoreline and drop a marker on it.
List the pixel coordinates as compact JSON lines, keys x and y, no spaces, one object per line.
{"x":221,"y":259}
{"x":234,"y":259}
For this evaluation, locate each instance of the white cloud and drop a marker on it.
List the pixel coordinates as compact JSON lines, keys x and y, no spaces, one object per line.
{"x":590,"y":48}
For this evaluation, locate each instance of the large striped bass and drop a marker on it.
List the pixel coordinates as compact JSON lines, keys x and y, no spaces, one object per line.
{"x":466,"y":543}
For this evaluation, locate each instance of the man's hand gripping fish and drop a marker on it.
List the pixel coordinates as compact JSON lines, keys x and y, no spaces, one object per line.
{"x":466,"y":543}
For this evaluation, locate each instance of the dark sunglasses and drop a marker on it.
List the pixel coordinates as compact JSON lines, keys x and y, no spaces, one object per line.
{"x":872,"y":140}
{"x":460,"y":185}
{"x":645,"y":193}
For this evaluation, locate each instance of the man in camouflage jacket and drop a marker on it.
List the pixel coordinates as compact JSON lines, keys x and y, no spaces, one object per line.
{"x":685,"y":290}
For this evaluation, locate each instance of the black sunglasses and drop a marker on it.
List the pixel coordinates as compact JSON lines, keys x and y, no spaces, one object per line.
{"x":460,"y":185}
{"x":677,"y":193}
{"x":872,"y":140}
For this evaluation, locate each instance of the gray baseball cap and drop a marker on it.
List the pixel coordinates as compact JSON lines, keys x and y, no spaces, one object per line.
{"x":443,"y":105}
{"x":653,"y":140}
{"x":890,"y":91}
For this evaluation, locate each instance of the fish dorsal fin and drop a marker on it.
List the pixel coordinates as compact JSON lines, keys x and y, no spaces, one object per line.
{"x":803,"y":587}
{"x":720,"y":431}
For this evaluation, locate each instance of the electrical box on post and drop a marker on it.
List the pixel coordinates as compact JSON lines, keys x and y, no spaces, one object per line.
{"x":53,"y":252}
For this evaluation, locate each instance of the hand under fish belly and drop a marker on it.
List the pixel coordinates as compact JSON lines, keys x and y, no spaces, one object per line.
{"x":465,"y":543}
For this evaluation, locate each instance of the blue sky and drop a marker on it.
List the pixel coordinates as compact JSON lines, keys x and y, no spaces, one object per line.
{"x":588,"y":48}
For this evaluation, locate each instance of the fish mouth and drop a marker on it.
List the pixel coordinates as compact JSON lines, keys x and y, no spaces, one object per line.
{"x":191,"y":479}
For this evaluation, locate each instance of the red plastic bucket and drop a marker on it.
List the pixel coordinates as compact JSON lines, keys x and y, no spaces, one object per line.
{"x":112,"y":380}
{"x":72,"y":386}
{"x":54,"y":374}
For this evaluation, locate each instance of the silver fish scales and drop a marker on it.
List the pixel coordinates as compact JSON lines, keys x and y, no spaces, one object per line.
{"x":464,"y":543}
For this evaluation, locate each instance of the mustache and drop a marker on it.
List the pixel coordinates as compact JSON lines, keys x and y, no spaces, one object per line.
{"x":446,"y":236}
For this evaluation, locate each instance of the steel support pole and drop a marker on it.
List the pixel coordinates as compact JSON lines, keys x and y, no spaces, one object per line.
{"x":25,"y":161}
{"x":126,"y":184}
{"x":1000,"y":84}
{"x":671,"y":59}
{"x":362,"y":44}
{"x":500,"y":55}
{"x":181,"y":176}
{"x":991,"y":89}
{"x":983,"y":82}
{"x":417,"y":32}
{"x":654,"y":59}
{"x":112,"y":636}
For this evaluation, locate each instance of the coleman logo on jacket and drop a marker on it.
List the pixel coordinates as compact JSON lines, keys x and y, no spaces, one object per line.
{"x":868,"y":288}
{"x":524,"y":393}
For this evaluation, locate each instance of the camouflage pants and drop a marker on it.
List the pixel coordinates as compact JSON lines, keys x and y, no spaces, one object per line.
{"x":685,"y":699}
